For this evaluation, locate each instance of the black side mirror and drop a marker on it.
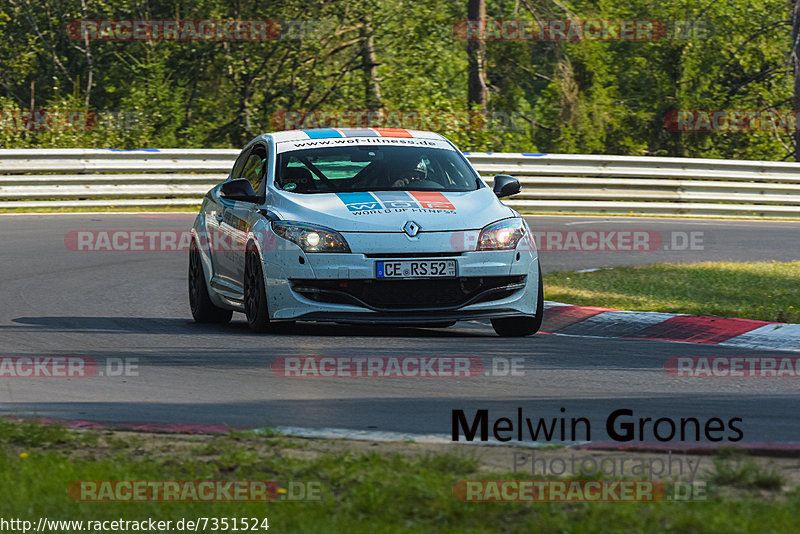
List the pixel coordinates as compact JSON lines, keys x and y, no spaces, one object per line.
{"x":505,"y":186}
{"x":239,"y":189}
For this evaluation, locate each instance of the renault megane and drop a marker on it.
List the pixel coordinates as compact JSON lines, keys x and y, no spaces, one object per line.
{"x":362,"y":225}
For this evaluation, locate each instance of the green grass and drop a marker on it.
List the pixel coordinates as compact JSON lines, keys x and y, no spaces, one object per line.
{"x":361,"y":492}
{"x":769,"y":291}
{"x":32,"y":434}
{"x":732,"y":468}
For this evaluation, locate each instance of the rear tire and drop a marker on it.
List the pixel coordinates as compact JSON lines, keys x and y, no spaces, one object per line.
{"x":522,"y":326}
{"x":203,"y":310}
{"x":255,"y":293}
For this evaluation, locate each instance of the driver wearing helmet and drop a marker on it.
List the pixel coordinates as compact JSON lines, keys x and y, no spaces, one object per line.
{"x":410,"y":171}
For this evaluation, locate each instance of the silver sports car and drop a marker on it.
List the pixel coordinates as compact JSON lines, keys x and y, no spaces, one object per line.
{"x":367,"y":225}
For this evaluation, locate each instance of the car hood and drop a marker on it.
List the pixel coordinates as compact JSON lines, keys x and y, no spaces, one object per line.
{"x":388,"y":211}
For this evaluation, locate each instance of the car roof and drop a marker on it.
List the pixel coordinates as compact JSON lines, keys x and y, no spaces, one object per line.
{"x":327,"y":133}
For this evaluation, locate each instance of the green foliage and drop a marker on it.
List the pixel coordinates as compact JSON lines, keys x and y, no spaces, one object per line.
{"x":570,"y":97}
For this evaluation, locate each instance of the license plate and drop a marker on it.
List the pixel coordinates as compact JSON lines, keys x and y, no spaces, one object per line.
{"x":415,"y":269}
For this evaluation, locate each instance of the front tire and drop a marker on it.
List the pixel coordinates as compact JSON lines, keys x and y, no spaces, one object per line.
{"x":522,"y":326}
{"x":203,"y":310}
{"x":255,"y":293}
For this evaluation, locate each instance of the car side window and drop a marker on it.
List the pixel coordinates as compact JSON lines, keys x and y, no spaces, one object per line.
{"x":239,"y":165}
{"x":254,"y":167}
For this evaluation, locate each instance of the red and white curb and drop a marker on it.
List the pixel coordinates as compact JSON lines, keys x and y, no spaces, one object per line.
{"x":606,"y":322}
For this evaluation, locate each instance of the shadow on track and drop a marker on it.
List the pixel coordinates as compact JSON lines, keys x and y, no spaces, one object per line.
{"x":153,"y":325}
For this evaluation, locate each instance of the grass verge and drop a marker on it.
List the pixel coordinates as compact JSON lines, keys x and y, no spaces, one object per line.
{"x":362,"y":491}
{"x":768,"y":291}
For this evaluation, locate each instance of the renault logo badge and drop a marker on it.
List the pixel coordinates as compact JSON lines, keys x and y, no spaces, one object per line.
{"x":411,"y":228}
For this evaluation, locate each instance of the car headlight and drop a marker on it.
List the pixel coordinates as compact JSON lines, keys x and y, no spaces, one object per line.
{"x":311,"y":238}
{"x":501,"y":235}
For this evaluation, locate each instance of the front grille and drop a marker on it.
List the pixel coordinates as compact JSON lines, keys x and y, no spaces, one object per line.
{"x":415,"y":255}
{"x":397,"y":295}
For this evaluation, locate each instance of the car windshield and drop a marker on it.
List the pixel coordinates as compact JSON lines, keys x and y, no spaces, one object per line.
{"x":373,"y":168}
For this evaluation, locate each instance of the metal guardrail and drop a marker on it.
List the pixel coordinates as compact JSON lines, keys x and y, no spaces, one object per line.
{"x":555,"y":183}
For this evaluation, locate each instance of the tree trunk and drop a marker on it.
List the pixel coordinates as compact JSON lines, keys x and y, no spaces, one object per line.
{"x":369,"y":64}
{"x":89,"y":61}
{"x":796,"y":67}
{"x":477,"y":89}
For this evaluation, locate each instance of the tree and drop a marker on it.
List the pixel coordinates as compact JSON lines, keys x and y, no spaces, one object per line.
{"x":478,"y":91}
{"x":795,"y":59}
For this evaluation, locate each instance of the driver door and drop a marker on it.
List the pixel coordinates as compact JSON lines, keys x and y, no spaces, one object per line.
{"x":238,"y":214}
{"x":218,"y":232}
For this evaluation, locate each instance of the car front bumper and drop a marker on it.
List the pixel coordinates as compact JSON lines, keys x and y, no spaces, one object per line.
{"x":342,"y":287}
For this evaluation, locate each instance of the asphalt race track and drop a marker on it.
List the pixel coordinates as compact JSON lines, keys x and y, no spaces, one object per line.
{"x":133,"y":306}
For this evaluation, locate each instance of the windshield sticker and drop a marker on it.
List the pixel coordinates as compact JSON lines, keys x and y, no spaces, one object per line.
{"x":285,"y":146}
{"x":433,"y":200}
{"x":361,"y":132}
{"x":322,"y":133}
{"x":359,"y":201}
{"x":290,"y":187}
{"x":383,"y":202}
{"x":396,"y":199}
{"x":393,"y":132}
